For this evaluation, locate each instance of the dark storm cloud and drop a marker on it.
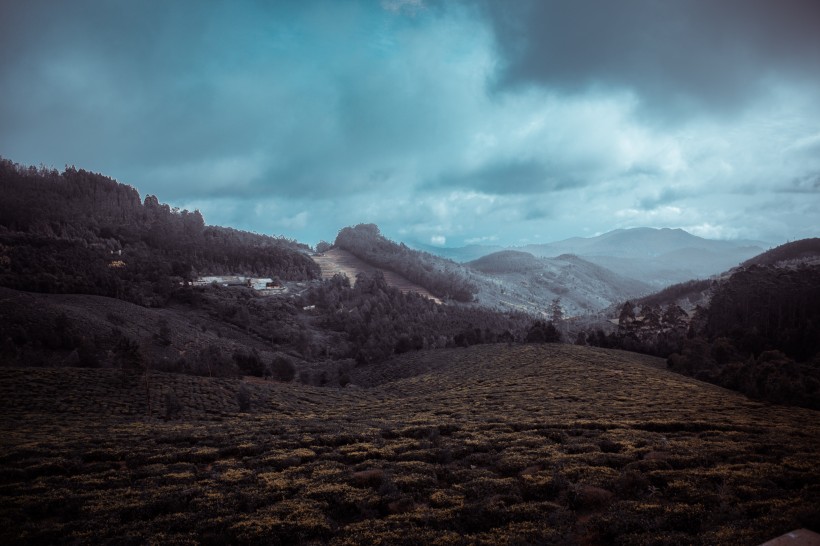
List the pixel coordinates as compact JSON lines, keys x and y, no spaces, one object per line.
{"x":446,"y":120}
{"x":679,"y":57}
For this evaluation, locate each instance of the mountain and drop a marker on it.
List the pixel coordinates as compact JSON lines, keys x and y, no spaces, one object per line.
{"x":659,"y":257}
{"x":512,"y":279}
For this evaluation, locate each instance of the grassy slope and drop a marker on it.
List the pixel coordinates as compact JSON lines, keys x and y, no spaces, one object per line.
{"x":190,"y":330}
{"x":494,"y":444}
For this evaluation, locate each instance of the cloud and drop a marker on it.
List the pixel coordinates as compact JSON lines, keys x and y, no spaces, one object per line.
{"x":438,"y":240}
{"x":514,"y":177}
{"x":679,"y":58}
{"x":521,"y":119}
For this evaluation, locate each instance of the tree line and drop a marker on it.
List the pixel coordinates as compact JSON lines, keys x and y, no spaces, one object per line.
{"x":83,"y":232}
{"x":759,"y":334}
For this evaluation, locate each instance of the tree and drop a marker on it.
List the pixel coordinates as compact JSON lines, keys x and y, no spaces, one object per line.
{"x":627,"y":314}
{"x":243,"y":398}
{"x":282,"y":369}
{"x":541,"y":332}
{"x":556,"y":311}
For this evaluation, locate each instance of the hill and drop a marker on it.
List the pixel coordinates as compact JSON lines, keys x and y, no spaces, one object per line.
{"x":128,"y":266}
{"x":530,"y":444}
{"x":441,"y":277}
{"x":519,"y":280}
{"x":82,"y":232}
{"x":802,"y":250}
{"x":341,"y":262}
{"x":504,"y":281}
{"x":506,"y":261}
{"x":753,"y":329}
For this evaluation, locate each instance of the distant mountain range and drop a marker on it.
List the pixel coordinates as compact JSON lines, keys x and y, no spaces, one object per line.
{"x":658,"y":257}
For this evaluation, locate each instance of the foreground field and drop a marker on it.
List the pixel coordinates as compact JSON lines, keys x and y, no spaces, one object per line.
{"x":492,"y":444}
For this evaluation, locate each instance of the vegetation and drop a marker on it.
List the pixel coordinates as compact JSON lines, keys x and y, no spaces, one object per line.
{"x":379,"y":320}
{"x":761,"y":336}
{"x":81,"y":232}
{"x":691,"y":291}
{"x":759,"y":332}
{"x":441,"y":277}
{"x":534,"y":444}
{"x":795,"y":250}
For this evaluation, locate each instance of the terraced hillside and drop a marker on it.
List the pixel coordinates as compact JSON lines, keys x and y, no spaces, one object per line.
{"x":549,"y":444}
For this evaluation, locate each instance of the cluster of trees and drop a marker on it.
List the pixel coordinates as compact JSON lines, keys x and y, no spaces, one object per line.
{"x":759,"y":334}
{"x":441,"y":277}
{"x":82,"y":232}
{"x":650,"y":329}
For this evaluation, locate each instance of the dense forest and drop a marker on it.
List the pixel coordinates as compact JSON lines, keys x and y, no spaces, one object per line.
{"x":761,"y":335}
{"x":82,"y":232}
{"x":441,"y":277}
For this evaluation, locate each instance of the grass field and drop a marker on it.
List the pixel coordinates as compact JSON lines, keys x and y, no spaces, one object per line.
{"x":550,"y":444}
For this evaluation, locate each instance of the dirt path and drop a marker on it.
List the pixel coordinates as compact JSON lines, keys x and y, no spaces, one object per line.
{"x":341,"y":261}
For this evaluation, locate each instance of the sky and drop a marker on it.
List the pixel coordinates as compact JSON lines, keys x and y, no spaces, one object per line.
{"x":444,"y":122}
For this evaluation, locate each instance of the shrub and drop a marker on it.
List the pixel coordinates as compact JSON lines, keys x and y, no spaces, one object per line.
{"x":282,"y":369}
{"x":243,"y":397}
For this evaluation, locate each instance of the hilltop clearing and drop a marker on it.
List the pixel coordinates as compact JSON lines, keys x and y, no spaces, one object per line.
{"x":548,"y":444}
{"x":337,"y":261}
{"x":441,"y":277}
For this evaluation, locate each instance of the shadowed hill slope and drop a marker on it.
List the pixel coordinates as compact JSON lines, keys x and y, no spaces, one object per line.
{"x":804,"y":249}
{"x":493,"y":444}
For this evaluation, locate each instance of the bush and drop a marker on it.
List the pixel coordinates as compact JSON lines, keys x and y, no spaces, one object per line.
{"x":282,"y":369}
{"x":243,"y":397}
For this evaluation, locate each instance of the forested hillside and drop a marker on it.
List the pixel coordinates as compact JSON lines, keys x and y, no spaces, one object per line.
{"x":795,"y":250}
{"x":441,"y":277}
{"x":756,"y":330}
{"x":82,"y":232}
